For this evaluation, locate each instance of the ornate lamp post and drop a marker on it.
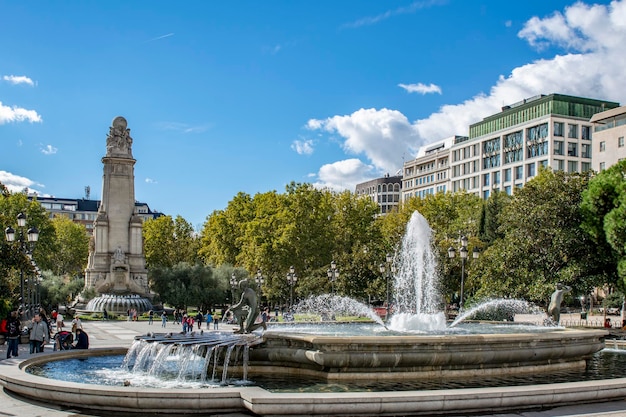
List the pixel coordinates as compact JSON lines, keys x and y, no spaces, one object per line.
{"x":389,"y":268}
{"x":259,"y":279}
{"x":233,"y":285}
{"x":25,"y":246}
{"x":463,"y":253}
{"x":333,"y":274}
{"x":291,"y":280}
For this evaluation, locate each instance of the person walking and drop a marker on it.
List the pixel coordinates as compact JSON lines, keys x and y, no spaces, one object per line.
{"x":163,"y":318}
{"x":150,"y":316}
{"x":59,"y":322}
{"x":13,"y":334}
{"x":209,"y":319}
{"x":39,"y":334}
{"x":216,"y":321}
{"x":199,"y":319}
{"x":76,"y":324}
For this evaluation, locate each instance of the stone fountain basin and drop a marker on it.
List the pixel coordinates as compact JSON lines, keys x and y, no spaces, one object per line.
{"x":171,"y":402}
{"x":423,"y":356}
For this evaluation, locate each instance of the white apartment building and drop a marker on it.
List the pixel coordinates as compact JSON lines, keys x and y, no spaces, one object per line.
{"x":429,"y":172}
{"x":505,"y":150}
{"x":609,"y":130}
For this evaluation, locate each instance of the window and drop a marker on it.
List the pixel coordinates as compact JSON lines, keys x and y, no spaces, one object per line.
{"x":486,"y":194}
{"x":585,"y":150}
{"x":519,"y":172}
{"x":602,"y":146}
{"x":507,"y":189}
{"x":560,"y":164}
{"x":572,"y":131}
{"x":620,"y":141}
{"x":530,"y":170}
{"x":602,"y":166}
{"x":572,"y":166}
{"x":496,"y":177}
{"x":507,"y":175}
{"x":572,"y":149}
{"x":585,"y":166}
{"x":558,"y":147}
{"x":486,"y":180}
{"x":558,"y":129}
{"x":586,"y":132}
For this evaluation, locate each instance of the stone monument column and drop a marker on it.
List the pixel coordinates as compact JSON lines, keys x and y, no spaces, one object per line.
{"x":116,"y":267}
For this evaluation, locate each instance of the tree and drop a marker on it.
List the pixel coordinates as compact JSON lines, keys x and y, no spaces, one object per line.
{"x":186,"y":285}
{"x":223,"y":233}
{"x":13,"y":260}
{"x":489,"y":226}
{"x":168,"y":242}
{"x":543,"y":242}
{"x":71,"y":247}
{"x":604,"y":218}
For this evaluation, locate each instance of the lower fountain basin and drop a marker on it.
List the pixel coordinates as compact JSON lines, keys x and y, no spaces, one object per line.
{"x":359,"y":356}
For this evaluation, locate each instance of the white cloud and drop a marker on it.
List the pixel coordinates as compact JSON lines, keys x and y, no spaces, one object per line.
{"x":508,"y":23}
{"x":383,"y":136}
{"x":17,"y":184}
{"x":343,"y":175}
{"x":421,"y":88}
{"x":593,"y":37}
{"x":18,"y":79}
{"x":151,"y":181}
{"x":48,"y":150}
{"x":303,"y":147}
{"x":17,"y":114}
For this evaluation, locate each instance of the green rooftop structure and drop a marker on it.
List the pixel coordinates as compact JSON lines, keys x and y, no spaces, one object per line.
{"x":538,"y":106}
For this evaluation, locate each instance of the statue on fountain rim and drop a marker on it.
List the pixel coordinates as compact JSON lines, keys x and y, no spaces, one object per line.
{"x":246,"y":310}
{"x":554,"y":309}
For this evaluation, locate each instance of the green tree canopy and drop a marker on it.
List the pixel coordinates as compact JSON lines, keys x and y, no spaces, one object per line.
{"x":604,"y":213}
{"x":71,"y":247}
{"x":543,"y":242}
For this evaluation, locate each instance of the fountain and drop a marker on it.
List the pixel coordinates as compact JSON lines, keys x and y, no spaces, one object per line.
{"x":418,"y":345}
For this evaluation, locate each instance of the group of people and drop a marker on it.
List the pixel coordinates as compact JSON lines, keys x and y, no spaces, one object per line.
{"x":188,"y":321}
{"x":39,"y":331}
{"x":132,"y":314}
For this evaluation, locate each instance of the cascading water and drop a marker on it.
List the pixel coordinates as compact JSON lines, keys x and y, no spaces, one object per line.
{"x":185,"y":360}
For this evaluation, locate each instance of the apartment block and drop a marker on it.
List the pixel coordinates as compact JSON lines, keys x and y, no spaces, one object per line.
{"x":506,"y":150}
{"x":609,"y":130}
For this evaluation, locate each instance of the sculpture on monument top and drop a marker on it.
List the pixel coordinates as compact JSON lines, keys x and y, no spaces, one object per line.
{"x":119,"y":141}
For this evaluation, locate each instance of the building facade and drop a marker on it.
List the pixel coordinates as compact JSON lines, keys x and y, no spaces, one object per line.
{"x":384,"y":191}
{"x":609,"y":130}
{"x":85,"y":211}
{"x":506,"y":150}
{"x":429,"y":172}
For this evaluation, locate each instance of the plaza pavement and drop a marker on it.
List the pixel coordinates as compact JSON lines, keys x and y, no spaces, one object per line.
{"x":122,"y":333}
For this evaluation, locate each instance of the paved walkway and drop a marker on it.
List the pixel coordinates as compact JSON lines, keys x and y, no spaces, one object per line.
{"x":122,"y":333}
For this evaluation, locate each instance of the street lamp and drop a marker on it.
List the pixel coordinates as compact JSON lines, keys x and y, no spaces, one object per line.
{"x":25,"y":247}
{"x":390,"y":268}
{"x":259,"y":282}
{"x":291,"y":280}
{"x":463,"y":253}
{"x":233,"y":285}
{"x":333,"y":274}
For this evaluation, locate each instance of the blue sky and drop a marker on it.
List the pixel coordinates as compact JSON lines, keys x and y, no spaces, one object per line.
{"x":223,"y":97}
